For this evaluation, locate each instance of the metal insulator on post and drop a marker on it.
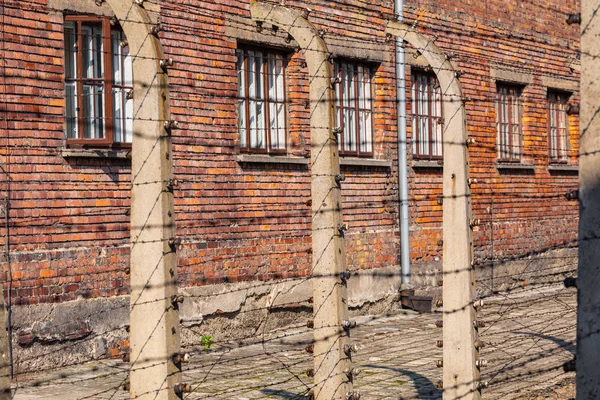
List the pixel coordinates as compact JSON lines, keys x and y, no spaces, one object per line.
{"x":472,"y":181}
{"x":351,"y":373}
{"x":126,"y":357}
{"x":478,"y":324}
{"x":335,"y":81}
{"x":439,"y":384}
{"x":572,"y":195}
{"x":174,"y":242}
{"x":478,"y":304}
{"x":310,"y":324}
{"x":481,"y":363}
{"x":342,"y":228}
{"x":474,"y":222}
{"x":156,"y":29}
{"x":353,"y":396}
{"x":126,"y":385}
{"x":172,"y":184}
{"x":348,"y":324}
{"x":139,"y":2}
{"x":177,"y":299}
{"x":570,"y":366}
{"x":336,"y":132}
{"x":344,"y":276}
{"x":439,"y":363}
{"x":482,"y":385}
{"x":350,"y":348}
{"x":310,"y":372}
{"x":311,"y":395}
{"x":574,"y":19}
{"x":339,"y":178}
{"x":439,"y":323}
{"x":439,"y":343}
{"x":259,"y":26}
{"x":310,"y":349}
{"x":470,"y":142}
{"x":166,"y":62}
{"x":170,"y":125}
{"x":439,"y":303}
{"x":570,"y":282}
{"x":180,"y":358}
{"x":479,"y":344}
{"x":181,"y":388}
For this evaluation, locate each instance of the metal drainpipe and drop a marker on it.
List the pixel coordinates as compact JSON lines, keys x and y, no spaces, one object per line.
{"x":402,"y":162}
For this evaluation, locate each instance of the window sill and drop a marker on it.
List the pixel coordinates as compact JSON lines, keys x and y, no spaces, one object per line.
{"x":514,"y":166}
{"x":563,"y":168}
{"x":264,"y":159}
{"x":97,"y":153}
{"x":428,"y":164}
{"x":365,"y":162}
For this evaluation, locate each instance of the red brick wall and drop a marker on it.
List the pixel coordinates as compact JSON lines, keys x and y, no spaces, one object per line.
{"x":69,"y":216}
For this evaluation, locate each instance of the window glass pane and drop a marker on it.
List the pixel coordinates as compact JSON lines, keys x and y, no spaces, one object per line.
{"x":243,"y":129}
{"x":92,"y":52}
{"x":116,"y":57}
{"x":118,"y":114}
{"x":128,"y":119}
{"x":70,"y":50}
{"x":71,"y":105}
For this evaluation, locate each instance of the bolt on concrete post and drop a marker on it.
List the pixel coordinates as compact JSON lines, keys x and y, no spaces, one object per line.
{"x":154,"y":322}
{"x":330,"y":307}
{"x":461,"y":376}
{"x":588,"y":280}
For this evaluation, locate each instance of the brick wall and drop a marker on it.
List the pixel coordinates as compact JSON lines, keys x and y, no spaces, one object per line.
{"x":69,"y":223}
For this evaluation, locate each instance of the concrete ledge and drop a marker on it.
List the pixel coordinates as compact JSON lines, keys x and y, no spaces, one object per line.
{"x":428,"y":164}
{"x":244,"y":29}
{"x":515,"y":166}
{"x":507,"y":74}
{"x":563,"y":168}
{"x":366,"y":162}
{"x":96,"y":153}
{"x":560,"y":83}
{"x":264,"y":159}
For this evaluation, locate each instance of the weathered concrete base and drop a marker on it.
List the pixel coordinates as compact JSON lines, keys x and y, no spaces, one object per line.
{"x":493,"y":276}
{"x":68,"y":333}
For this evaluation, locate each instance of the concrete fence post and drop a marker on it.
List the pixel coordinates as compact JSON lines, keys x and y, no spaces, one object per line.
{"x":331,"y":342}
{"x":154,"y":319}
{"x":588,"y":279}
{"x":460,"y":353}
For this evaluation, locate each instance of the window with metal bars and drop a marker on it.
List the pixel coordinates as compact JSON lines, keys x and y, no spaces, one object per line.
{"x":262,"y":123}
{"x":558,"y":133}
{"x":508,"y":123}
{"x":98,"y":82}
{"x":427,"y":120}
{"x":354,"y":108}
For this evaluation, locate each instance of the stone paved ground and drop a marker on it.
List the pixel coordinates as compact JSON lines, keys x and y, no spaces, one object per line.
{"x":529,"y":333}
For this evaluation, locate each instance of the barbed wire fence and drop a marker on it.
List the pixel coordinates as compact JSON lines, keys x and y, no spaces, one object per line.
{"x":264,"y":347}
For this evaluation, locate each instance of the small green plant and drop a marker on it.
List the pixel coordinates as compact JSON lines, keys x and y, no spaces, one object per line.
{"x":206,"y":341}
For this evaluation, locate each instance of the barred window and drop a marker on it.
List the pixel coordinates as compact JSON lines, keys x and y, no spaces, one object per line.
{"x":508,"y":123}
{"x":98,"y":82}
{"x":261,"y":100}
{"x":354,"y":108}
{"x":558,"y":133}
{"x":427,"y":122}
